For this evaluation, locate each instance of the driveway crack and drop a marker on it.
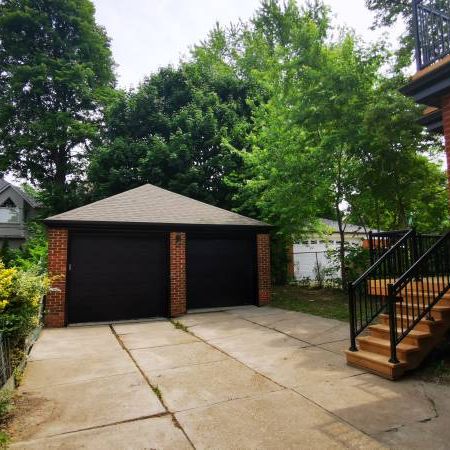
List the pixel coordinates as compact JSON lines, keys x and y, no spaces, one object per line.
{"x":155,"y":389}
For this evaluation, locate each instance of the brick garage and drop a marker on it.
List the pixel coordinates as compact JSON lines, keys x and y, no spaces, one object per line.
{"x":149,"y":252}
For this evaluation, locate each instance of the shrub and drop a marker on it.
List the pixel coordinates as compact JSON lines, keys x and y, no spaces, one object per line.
{"x":32,"y":255}
{"x":357,"y":260}
{"x":21,"y":291}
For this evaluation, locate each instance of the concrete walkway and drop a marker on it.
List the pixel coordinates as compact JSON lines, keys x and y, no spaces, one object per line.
{"x":245,"y":378}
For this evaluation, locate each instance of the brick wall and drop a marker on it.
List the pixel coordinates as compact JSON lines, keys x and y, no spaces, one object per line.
{"x":55,"y":314}
{"x":263,"y":256}
{"x":55,"y":307}
{"x":446,"y":125}
{"x":177,"y":274}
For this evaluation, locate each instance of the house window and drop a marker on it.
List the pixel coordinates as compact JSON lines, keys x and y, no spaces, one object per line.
{"x":9,"y":212}
{"x":8,"y":203}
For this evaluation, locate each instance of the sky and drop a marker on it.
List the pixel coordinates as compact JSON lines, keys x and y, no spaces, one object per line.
{"x":148,"y":34}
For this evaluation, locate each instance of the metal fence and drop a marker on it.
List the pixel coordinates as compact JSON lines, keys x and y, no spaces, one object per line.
{"x":432,"y":30}
{"x":6,"y":368}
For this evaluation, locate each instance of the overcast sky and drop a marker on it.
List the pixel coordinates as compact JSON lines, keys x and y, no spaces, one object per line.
{"x":147,"y":34}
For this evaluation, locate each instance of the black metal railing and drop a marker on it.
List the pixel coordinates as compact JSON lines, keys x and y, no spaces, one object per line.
{"x":381,"y":242}
{"x":432,"y":31}
{"x":413,"y":295}
{"x":368,"y":294}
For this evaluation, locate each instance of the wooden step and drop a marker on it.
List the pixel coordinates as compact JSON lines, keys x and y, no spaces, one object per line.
{"x":405,"y":352}
{"x":440,"y":312}
{"x":414,"y":337}
{"x":375,"y":363}
{"x":405,"y":320}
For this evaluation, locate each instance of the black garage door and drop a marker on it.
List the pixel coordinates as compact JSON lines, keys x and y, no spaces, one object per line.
{"x":117,"y":277}
{"x":221,"y":271}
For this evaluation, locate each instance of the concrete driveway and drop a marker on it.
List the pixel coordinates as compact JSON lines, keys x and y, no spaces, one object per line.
{"x":243,"y":378}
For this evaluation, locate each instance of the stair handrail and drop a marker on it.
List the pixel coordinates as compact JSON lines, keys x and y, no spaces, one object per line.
{"x":381,"y":241}
{"x":418,"y":302}
{"x":360,"y":287}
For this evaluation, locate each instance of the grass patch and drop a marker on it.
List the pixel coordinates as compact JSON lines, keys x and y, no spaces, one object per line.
{"x":179,"y":326}
{"x":327,"y":302}
{"x":5,"y":411}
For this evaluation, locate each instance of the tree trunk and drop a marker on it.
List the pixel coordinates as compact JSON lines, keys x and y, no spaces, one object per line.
{"x":341,"y":247}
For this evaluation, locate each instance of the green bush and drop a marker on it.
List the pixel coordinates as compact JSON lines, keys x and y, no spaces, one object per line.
{"x":5,"y":408}
{"x":357,"y":261}
{"x":30,"y":256}
{"x":21,"y":291}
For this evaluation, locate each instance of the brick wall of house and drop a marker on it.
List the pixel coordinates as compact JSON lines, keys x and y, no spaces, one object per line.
{"x":446,"y":126}
{"x":55,"y":307}
{"x":264,"y":280}
{"x":177,"y":274}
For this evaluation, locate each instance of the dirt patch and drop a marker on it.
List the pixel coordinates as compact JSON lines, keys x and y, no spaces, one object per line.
{"x":436,"y":368}
{"x":29,"y":412}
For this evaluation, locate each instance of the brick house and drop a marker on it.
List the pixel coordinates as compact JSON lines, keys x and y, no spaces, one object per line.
{"x":149,"y":252}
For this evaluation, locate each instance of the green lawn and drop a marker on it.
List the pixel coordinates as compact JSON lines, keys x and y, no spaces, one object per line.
{"x":330,"y":303}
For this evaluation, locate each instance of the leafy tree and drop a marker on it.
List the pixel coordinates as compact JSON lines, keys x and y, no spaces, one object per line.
{"x":177,"y":130}
{"x":56,"y":70}
{"x":336,"y":135}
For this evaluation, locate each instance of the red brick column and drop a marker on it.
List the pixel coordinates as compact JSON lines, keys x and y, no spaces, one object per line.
{"x":263,"y":256}
{"x":55,"y":307}
{"x":446,"y":126}
{"x":177,"y":274}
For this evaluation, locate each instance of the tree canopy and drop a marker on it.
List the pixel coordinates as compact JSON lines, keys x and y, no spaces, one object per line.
{"x":177,"y":130}
{"x":56,"y":71}
{"x":279,"y":117}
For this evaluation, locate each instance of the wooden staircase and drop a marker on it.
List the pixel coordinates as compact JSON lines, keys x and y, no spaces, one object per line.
{"x":375,"y":350}
{"x":400,"y":307}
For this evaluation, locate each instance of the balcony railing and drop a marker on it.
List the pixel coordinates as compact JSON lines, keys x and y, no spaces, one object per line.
{"x":432,"y":30}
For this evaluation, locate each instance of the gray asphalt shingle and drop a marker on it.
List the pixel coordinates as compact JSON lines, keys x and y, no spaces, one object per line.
{"x":150,"y":204}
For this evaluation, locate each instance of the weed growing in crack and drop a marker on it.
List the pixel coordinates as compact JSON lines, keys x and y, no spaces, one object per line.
{"x":179,"y":326}
{"x":157,"y":392}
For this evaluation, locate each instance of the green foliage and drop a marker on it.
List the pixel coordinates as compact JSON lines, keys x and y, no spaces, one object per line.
{"x":5,"y":403}
{"x":21,"y":292}
{"x":6,"y":407}
{"x":32,"y":255}
{"x":356,"y":261}
{"x":391,"y":12}
{"x":175,"y":131}
{"x":56,"y":74}
{"x":279,"y":258}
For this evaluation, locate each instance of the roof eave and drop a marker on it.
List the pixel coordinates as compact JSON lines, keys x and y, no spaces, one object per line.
{"x":73,"y":224}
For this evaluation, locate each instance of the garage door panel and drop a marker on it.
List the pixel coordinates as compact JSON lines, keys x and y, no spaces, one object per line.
{"x":220,"y":271}
{"x":117,"y":277}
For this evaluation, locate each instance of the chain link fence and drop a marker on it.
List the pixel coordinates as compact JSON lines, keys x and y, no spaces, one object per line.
{"x":6,"y":368}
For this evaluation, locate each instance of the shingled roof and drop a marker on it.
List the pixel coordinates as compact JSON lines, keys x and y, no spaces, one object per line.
{"x":30,"y":200}
{"x":150,"y":204}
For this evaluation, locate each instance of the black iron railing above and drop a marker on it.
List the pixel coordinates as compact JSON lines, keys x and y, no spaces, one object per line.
{"x":432,"y":31}
{"x":381,"y":242}
{"x":413,"y":295}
